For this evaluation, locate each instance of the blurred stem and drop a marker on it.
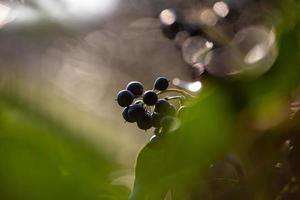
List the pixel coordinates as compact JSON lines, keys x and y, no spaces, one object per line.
{"x":174,"y":97}
{"x":176,"y":90}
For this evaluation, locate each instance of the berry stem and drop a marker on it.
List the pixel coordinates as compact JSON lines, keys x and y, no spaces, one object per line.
{"x":176,"y":90}
{"x":173,"y":97}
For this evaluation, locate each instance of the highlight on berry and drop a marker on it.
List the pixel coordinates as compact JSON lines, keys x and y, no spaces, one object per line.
{"x":153,"y":108}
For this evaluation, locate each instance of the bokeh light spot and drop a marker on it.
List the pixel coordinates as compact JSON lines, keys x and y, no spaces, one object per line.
{"x":167,"y":17}
{"x":190,"y":86}
{"x":257,"y":53}
{"x":195,"y":48}
{"x":208,"y":17}
{"x":4,"y":14}
{"x":195,"y":86}
{"x":221,"y":9}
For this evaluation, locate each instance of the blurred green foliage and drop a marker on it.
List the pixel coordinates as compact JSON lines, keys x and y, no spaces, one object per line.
{"x":41,"y":159}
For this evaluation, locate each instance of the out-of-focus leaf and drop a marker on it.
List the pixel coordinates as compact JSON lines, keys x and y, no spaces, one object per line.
{"x":40,"y":159}
{"x":180,"y":160}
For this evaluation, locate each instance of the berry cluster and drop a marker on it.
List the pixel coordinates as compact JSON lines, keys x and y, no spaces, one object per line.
{"x":146,"y":108}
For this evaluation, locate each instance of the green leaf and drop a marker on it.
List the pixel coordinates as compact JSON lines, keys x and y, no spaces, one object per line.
{"x":40,"y":159}
{"x":175,"y":160}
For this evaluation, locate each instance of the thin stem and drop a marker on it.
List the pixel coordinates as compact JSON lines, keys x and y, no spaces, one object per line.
{"x":176,"y":90}
{"x":180,"y":98}
{"x":174,"y":97}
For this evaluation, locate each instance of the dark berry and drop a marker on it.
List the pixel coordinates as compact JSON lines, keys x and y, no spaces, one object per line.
{"x":161,"y":83}
{"x":156,"y":117}
{"x":145,"y":122}
{"x":167,"y":122}
{"x":125,"y":98}
{"x":162,"y":106}
{"x":136,"y":111}
{"x":126,"y":116}
{"x":136,"y":88}
{"x":150,"y":98}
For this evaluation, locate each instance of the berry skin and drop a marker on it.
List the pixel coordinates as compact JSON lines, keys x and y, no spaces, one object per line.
{"x":136,"y":88}
{"x":126,"y":116}
{"x":136,"y":112}
{"x":125,"y":98}
{"x":162,"y":106}
{"x":161,"y":83}
{"x":150,"y":98}
{"x":145,"y":122}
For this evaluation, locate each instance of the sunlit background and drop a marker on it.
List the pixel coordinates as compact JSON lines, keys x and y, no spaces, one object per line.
{"x":62,"y":63}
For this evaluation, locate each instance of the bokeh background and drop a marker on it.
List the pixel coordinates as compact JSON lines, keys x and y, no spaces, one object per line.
{"x":62,"y":63}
